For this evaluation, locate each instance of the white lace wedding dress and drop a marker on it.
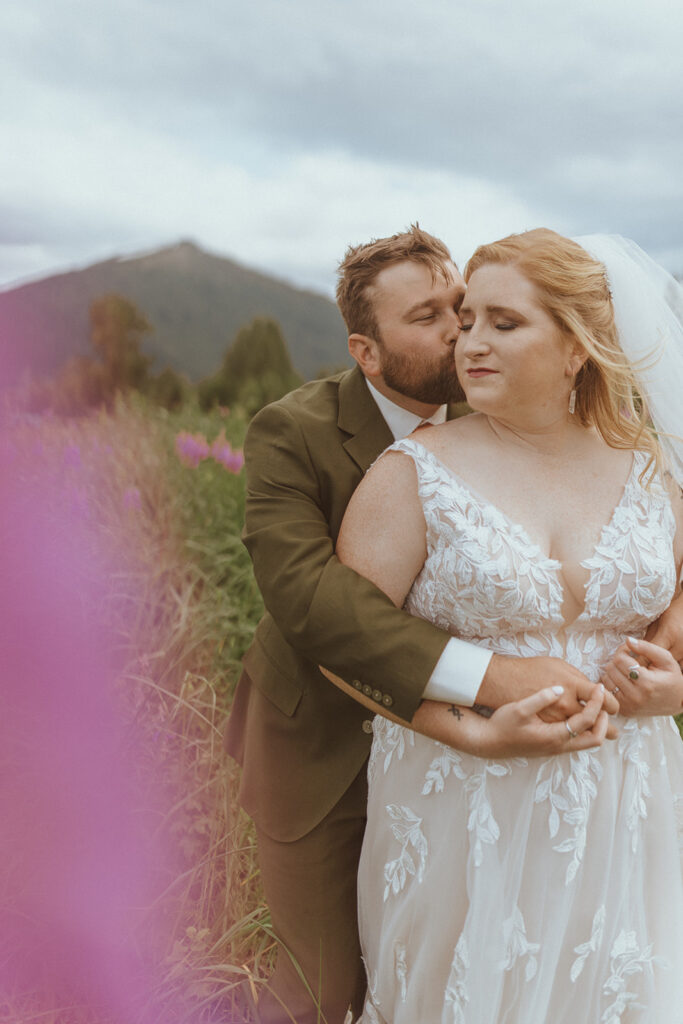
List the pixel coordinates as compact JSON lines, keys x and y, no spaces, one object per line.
{"x":546,"y":891}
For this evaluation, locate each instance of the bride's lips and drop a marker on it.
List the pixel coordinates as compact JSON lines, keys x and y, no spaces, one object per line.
{"x":480,"y":371}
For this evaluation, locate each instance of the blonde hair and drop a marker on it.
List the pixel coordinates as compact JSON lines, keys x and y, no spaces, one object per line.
{"x":572,"y":287}
{"x":362,"y":263}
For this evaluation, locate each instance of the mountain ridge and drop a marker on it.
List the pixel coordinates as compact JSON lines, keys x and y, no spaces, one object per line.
{"x":195,"y":300}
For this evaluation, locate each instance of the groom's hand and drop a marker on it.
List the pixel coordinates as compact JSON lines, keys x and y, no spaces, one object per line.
{"x":509,"y":679}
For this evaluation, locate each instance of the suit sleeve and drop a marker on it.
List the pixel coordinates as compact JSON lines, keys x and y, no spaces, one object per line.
{"x":325,"y":610}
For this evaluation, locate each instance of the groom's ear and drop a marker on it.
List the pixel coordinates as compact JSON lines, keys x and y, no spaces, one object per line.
{"x":365,"y":351}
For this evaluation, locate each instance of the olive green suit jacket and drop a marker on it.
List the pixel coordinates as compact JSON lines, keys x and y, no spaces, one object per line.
{"x":300,"y":740}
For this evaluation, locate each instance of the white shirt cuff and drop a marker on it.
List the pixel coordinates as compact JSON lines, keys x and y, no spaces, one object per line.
{"x":458,"y":673}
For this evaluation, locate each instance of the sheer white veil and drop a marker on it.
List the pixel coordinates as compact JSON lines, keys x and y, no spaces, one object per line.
{"x":648,"y":308}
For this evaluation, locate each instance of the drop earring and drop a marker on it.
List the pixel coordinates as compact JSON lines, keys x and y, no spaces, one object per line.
{"x":572,"y":401}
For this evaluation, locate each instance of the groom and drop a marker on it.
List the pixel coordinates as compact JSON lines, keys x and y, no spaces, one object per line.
{"x":302,"y":743}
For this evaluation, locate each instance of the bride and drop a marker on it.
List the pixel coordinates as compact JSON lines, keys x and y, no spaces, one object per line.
{"x":548,"y":890}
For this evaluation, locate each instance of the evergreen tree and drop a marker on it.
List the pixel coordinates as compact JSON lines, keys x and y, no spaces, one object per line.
{"x":169,"y":389}
{"x":256,"y":369}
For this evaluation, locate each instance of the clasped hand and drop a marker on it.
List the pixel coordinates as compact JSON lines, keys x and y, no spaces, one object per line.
{"x":517,"y":730}
{"x":526,"y":676}
{"x":645,"y":678}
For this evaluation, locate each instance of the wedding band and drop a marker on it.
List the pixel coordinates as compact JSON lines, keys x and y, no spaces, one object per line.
{"x":615,"y":690}
{"x":633,"y":672}
{"x":570,"y":730}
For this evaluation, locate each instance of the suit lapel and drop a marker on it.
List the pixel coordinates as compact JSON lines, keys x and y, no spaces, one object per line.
{"x":360,"y":418}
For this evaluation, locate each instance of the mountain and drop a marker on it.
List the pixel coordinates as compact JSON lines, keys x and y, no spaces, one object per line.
{"x":195,"y":301}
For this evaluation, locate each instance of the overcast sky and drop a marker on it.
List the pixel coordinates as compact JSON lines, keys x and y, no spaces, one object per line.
{"x":279,"y":131}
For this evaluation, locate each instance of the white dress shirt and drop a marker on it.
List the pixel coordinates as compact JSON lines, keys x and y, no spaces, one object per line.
{"x":459,"y":671}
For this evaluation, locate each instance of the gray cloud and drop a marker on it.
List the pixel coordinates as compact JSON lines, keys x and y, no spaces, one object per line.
{"x":571,"y":111}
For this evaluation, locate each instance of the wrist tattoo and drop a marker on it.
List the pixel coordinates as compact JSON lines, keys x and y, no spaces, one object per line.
{"x":455,"y":711}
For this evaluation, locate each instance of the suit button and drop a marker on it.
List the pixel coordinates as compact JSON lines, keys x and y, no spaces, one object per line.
{"x":367,"y":690}
{"x":367,"y":726}
{"x":357,"y":685}
{"x":387,"y":700}
{"x":377,"y":695}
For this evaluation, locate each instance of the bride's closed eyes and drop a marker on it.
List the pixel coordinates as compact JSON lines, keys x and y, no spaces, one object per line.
{"x":506,"y":326}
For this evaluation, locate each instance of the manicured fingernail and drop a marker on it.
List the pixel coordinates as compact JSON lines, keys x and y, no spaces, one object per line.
{"x":632,"y":640}
{"x":558,"y":690}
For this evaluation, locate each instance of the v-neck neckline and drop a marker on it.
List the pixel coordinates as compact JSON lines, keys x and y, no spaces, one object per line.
{"x":517,"y":529}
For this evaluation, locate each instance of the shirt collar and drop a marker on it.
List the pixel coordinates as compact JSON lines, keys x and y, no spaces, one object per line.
{"x":400,"y":421}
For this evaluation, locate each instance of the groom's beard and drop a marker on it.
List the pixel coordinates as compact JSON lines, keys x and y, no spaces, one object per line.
{"x":412,"y":376}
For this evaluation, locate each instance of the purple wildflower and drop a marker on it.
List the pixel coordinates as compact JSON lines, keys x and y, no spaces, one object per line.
{"x":191,"y":448}
{"x":222,"y":452}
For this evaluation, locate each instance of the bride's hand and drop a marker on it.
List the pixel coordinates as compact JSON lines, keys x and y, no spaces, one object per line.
{"x":657,"y":688}
{"x":516,"y":730}
{"x":510,"y":678}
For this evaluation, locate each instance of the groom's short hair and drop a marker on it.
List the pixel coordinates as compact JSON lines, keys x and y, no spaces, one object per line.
{"x":362,"y":263}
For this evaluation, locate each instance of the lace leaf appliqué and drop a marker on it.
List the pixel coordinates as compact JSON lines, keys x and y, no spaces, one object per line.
{"x":407,"y":829}
{"x":584,"y":949}
{"x":626,"y":959}
{"x":636,"y":779}
{"x":518,"y":946}
{"x":456,"y":995}
{"x":570,"y":799}
{"x":390,"y":741}
{"x":481,"y":823}
{"x":401,"y":969}
{"x":448,"y":762}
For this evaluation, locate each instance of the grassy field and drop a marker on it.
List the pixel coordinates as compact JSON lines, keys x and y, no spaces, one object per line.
{"x":157,"y":499}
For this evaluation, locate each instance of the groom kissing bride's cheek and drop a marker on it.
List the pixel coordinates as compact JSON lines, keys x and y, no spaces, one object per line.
{"x":471,"y":611}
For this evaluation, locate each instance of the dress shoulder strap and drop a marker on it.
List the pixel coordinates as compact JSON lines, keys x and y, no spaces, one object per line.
{"x":421,"y":456}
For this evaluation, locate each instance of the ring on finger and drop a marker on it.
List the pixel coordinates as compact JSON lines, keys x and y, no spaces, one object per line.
{"x":634,"y":672}
{"x":570,"y":730}
{"x":616,"y":689}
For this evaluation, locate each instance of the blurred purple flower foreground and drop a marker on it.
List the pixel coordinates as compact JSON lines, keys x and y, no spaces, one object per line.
{"x":75,"y":860}
{"x":132,"y":498}
{"x":223,"y":453}
{"x":193,"y":448}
